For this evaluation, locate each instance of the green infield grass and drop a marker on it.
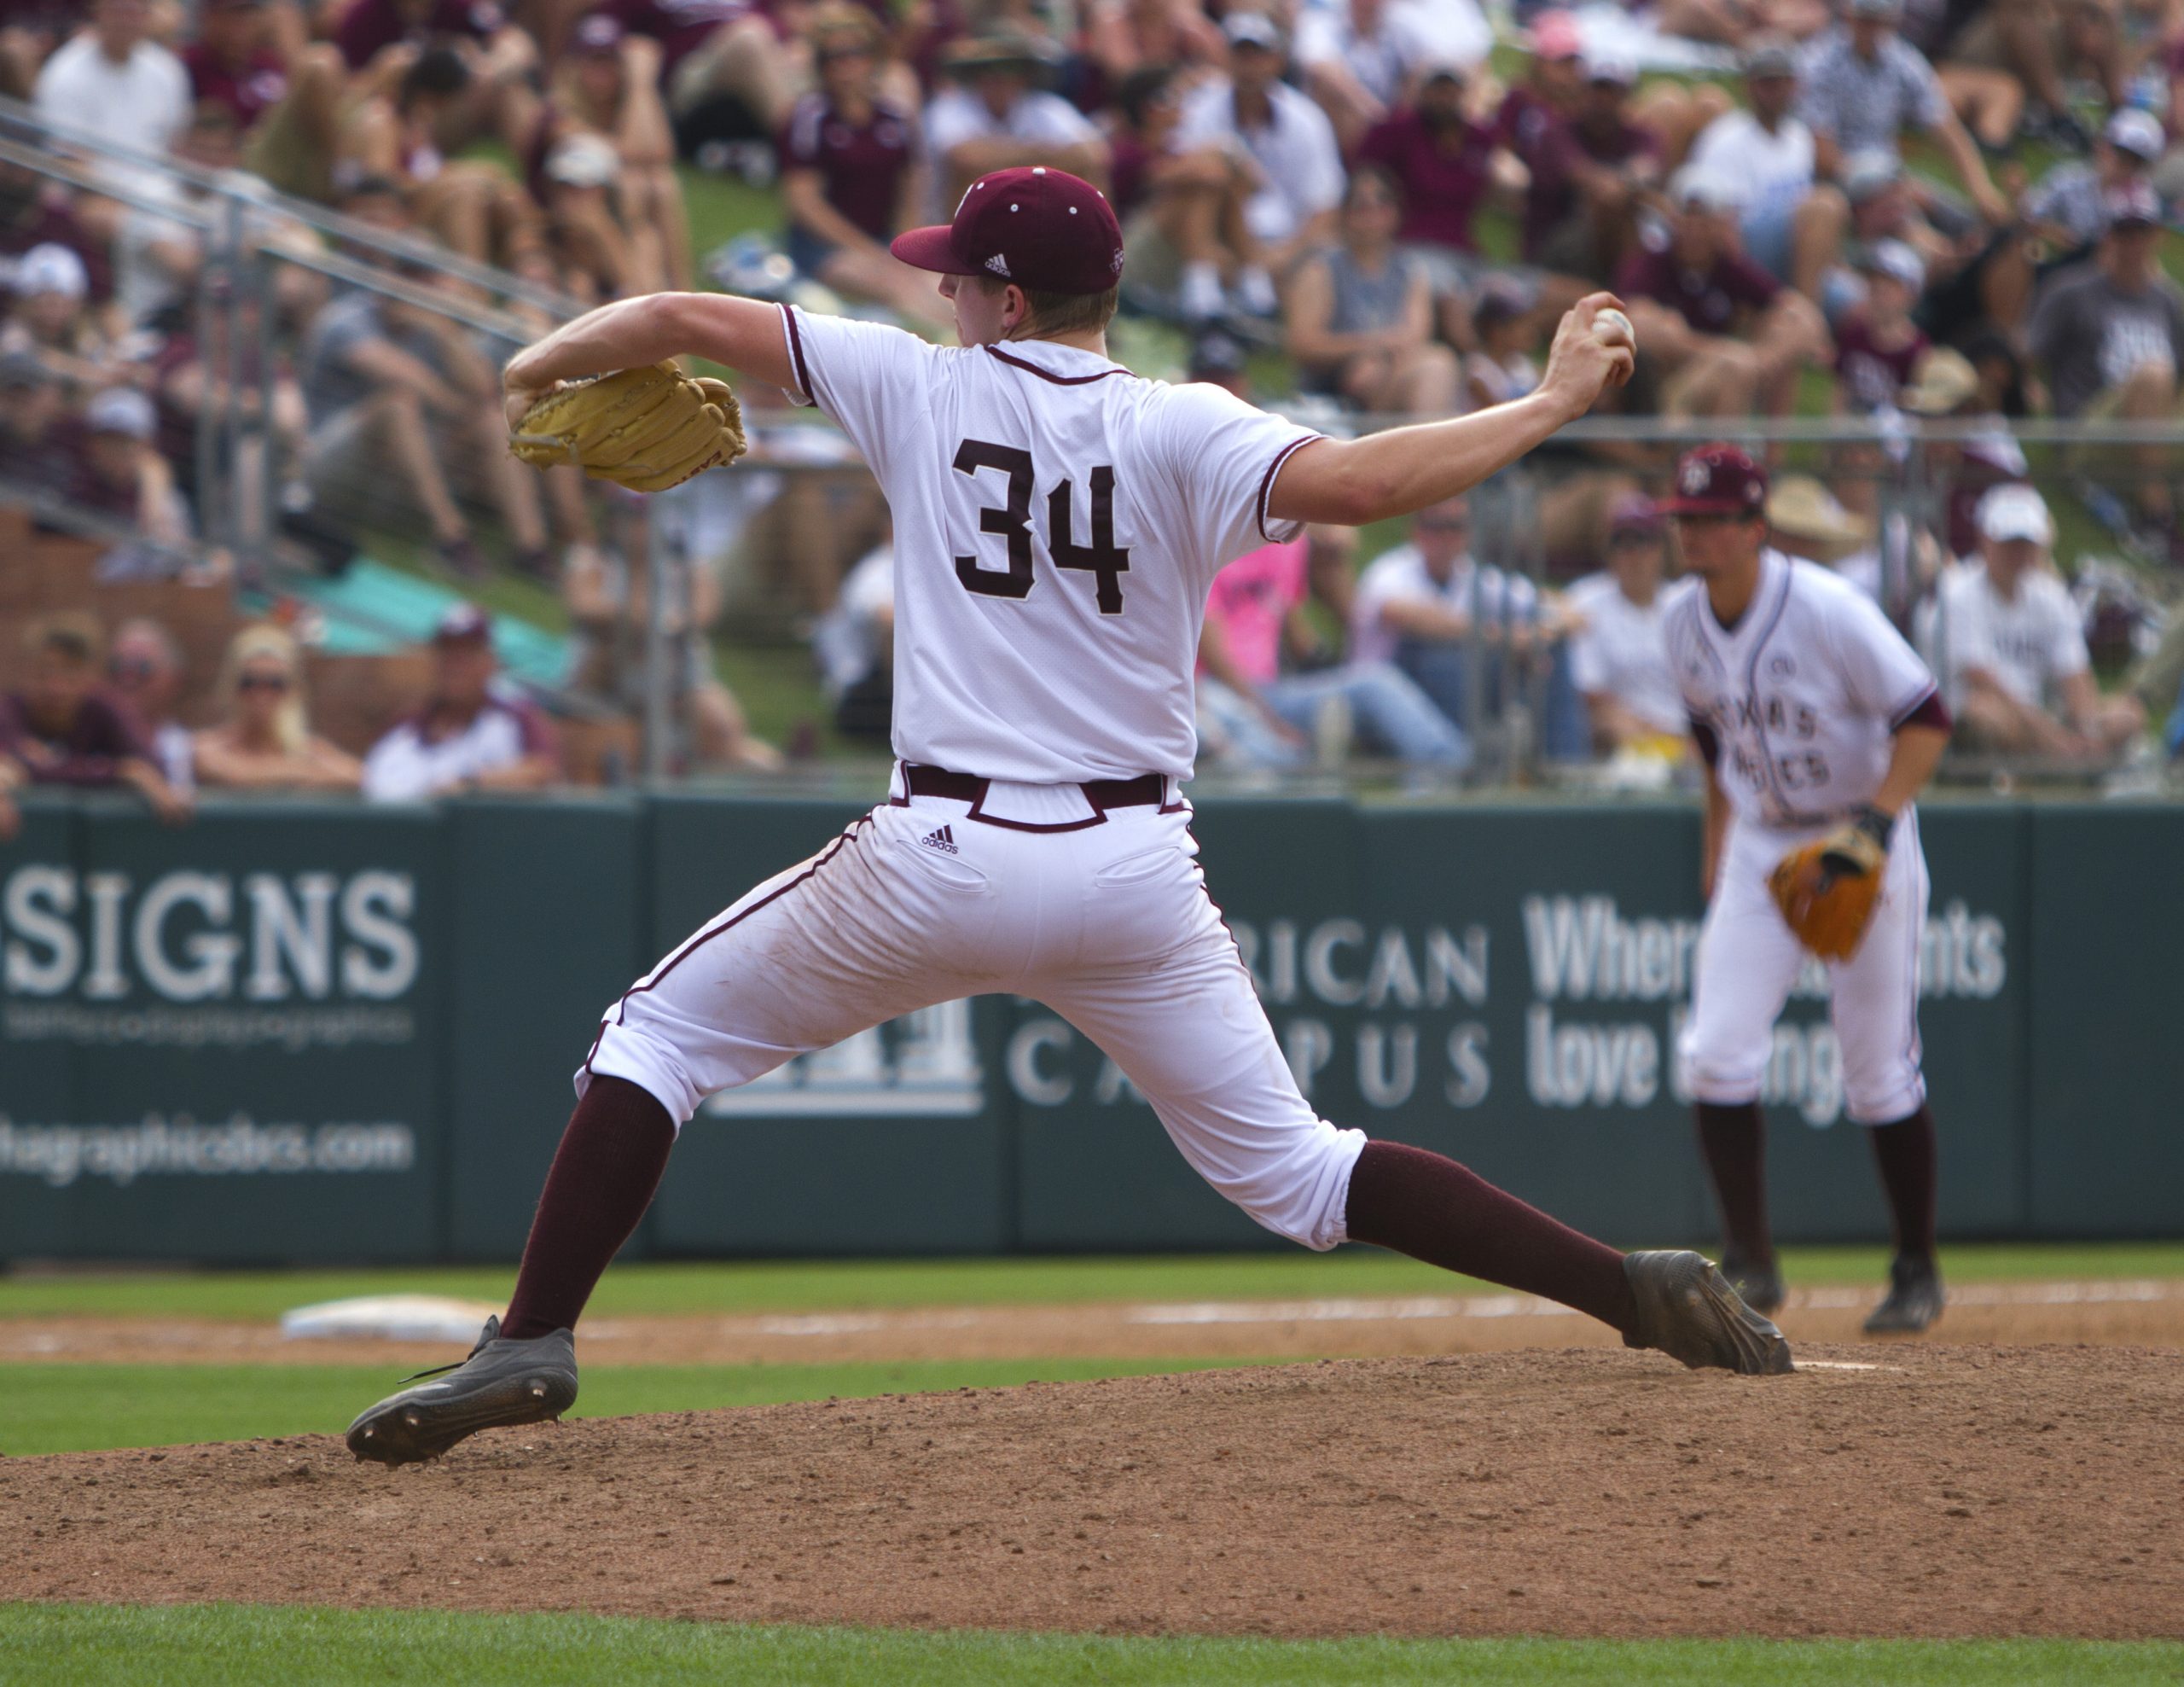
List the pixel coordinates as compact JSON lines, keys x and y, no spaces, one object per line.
{"x":215,"y":1645}
{"x":82,"y":1408}
{"x":793,"y":1286}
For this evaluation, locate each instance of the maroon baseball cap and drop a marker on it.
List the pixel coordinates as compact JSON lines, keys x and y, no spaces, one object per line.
{"x":1718,"y":480}
{"x":1039,"y":228}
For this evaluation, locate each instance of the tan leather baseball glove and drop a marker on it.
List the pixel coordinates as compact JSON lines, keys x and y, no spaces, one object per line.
{"x":1827,"y":889}
{"x":647,"y":428}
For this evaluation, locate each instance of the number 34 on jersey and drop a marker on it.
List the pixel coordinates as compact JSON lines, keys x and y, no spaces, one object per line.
{"x":1011,"y":519}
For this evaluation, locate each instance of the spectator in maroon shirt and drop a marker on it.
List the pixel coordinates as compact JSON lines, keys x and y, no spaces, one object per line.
{"x":1587,"y":174}
{"x":1548,"y":96}
{"x":1722,"y":333}
{"x":1444,"y":162}
{"x":1877,"y":344}
{"x":233,"y":61}
{"x":850,"y":179}
{"x":62,"y":728}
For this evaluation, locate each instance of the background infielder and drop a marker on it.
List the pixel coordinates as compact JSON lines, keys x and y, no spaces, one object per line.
{"x":1058,"y":522}
{"x":1817,"y":723}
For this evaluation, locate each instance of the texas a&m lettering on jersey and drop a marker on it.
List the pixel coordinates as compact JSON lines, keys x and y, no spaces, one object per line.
{"x":1802,"y":695}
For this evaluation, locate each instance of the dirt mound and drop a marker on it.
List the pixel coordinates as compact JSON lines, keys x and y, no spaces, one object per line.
{"x":1883,"y":1490}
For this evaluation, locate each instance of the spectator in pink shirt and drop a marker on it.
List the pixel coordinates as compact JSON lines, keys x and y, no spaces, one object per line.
{"x":1251,"y":713}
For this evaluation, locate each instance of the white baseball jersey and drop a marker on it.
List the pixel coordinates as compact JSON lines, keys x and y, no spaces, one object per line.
{"x":1058,"y":523}
{"x":2027,"y":643}
{"x":1803,"y":695}
{"x":1623,"y":649}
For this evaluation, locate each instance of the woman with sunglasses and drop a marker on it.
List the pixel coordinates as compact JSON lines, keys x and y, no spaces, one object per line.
{"x":265,"y":743}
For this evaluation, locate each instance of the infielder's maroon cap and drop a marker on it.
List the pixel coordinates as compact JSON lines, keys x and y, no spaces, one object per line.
{"x":1039,"y":228}
{"x":1718,"y":480}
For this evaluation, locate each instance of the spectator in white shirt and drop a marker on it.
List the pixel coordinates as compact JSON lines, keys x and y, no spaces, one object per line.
{"x":1767,"y":151}
{"x":995,"y":118}
{"x":1426,"y":605}
{"x":1619,"y":659}
{"x":114,"y":78}
{"x":2011,"y":648}
{"x":468,"y":737}
{"x":1290,"y":140}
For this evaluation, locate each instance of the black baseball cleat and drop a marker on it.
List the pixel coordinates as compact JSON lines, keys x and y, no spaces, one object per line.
{"x":503,"y":1382}
{"x":1914,"y":1298}
{"x":1759,"y":1287}
{"x":1687,"y":1309}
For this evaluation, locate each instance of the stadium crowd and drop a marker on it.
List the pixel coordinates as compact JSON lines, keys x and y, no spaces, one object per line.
{"x":1893,"y":209}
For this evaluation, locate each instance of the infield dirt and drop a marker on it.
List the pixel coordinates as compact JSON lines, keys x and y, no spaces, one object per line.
{"x":1883,"y":1490}
{"x":2129,"y":1313}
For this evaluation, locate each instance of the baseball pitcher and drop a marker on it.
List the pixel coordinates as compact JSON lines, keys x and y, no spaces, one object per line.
{"x":1058,"y":522}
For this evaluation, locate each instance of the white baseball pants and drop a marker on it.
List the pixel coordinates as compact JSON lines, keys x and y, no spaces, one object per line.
{"x":1106,"y":922}
{"x":1749,"y":960}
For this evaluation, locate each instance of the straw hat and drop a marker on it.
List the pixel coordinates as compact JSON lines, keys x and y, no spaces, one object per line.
{"x":1800,"y":508}
{"x":1943,"y":383}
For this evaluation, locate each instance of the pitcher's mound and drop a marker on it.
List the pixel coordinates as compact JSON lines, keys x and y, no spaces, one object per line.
{"x":1903,"y":1489}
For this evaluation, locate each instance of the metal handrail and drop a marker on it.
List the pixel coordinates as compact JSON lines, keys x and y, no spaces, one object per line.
{"x":19,"y":118}
{"x":1821,"y":430}
{"x":212,"y":218}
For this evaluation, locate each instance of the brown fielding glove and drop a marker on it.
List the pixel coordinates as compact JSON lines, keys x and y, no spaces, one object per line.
{"x":1827,"y":889}
{"x":647,"y":428}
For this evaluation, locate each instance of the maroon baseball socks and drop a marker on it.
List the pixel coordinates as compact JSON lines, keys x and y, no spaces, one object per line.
{"x":610,"y":1163}
{"x":1428,"y":1207}
{"x":1733,"y":1140}
{"x":1905,"y":1152}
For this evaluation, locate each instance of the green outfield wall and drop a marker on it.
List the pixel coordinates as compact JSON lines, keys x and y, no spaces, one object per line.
{"x":317,"y":1033}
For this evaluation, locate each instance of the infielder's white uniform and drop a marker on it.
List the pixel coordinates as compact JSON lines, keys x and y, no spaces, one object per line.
{"x":1801,"y":696}
{"x":1058,"y":522}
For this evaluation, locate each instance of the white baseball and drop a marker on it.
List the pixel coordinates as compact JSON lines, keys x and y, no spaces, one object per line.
{"x":1611,"y":328}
